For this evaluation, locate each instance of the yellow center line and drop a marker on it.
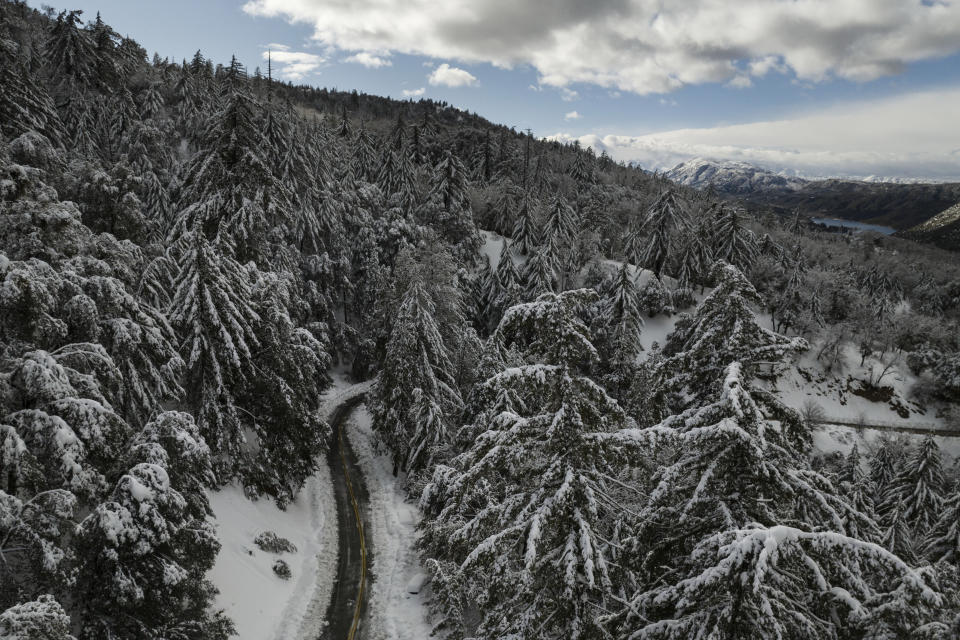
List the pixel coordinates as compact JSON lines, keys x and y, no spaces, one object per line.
{"x":363,"y":545}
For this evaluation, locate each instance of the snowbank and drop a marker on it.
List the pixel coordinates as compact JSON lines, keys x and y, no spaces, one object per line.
{"x":263,"y":606}
{"x":393,"y":612}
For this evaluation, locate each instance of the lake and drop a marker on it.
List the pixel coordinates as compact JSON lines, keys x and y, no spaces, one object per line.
{"x":852,"y":224}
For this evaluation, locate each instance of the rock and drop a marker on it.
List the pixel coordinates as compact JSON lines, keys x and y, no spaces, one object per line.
{"x":416,"y":583}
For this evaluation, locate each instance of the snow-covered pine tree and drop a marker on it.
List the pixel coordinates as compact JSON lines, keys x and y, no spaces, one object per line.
{"x":449,"y":210}
{"x":724,"y":329}
{"x":524,"y":510}
{"x":142,"y":562}
{"x":526,"y":232}
{"x":666,"y":221}
{"x":539,"y":275}
{"x":883,"y":472}
{"x":416,"y":380}
{"x":898,"y":536}
{"x":231,"y":193}
{"x":211,"y":309}
{"x":780,"y":581}
{"x":733,"y":241}
{"x":621,"y":335}
{"x":509,"y":284}
{"x":40,"y":619}
{"x":738,"y":498}
{"x":942,"y":543}
{"x":70,"y":53}
{"x":856,"y":484}
{"x":921,"y":485}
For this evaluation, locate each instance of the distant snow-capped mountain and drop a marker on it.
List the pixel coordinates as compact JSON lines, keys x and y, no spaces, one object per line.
{"x":737,"y":177}
{"x":732,"y":177}
{"x":901,"y":204}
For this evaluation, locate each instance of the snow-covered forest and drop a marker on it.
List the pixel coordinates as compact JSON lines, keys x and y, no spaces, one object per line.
{"x":614,"y":400}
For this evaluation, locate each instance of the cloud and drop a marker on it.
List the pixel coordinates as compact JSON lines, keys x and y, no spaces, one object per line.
{"x":275,"y":46}
{"x":448,"y":76}
{"x":411,"y":93}
{"x":573,"y":115}
{"x":643,"y":46}
{"x":568,"y":95}
{"x":294,"y":65}
{"x":369,"y":60}
{"x":888,"y":138}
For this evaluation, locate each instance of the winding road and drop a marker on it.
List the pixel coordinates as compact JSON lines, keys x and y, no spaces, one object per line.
{"x":348,"y":602}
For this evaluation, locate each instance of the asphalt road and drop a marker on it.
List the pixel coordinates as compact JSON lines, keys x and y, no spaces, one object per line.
{"x":348,"y":602}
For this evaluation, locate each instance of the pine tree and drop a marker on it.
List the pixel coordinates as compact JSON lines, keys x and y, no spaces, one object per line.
{"x":883,"y":473}
{"x":723,"y":330}
{"x":856,"y":484}
{"x":943,"y":541}
{"x":40,"y":619}
{"x":539,"y":275}
{"x":231,"y":193}
{"x":70,"y":53}
{"x":525,"y":508}
{"x":664,"y":224}
{"x":142,"y":562}
{"x":733,"y":241}
{"x":526,"y":234}
{"x":921,"y":485}
{"x":789,"y":583}
{"x":211,"y":309}
{"x":416,"y":381}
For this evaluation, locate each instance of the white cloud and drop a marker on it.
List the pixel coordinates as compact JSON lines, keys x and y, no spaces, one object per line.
{"x":294,"y":65}
{"x":276,"y":46}
{"x":909,"y":136}
{"x":740,"y":82}
{"x":411,"y":93}
{"x":568,"y":95}
{"x":447,"y":76}
{"x":573,"y":115}
{"x":369,"y":60}
{"x":643,"y":46}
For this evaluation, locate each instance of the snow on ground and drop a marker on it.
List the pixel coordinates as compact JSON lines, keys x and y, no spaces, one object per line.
{"x":492,"y":246}
{"x":394,"y":614}
{"x":263,"y":606}
{"x":834,"y":392}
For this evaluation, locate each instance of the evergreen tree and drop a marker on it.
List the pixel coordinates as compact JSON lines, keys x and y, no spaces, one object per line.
{"x":211,"y":309}
{"x":40,"y":619}
{"x":733,"y":241}
{"x":142,"y":562}
{"x":664,"y":224}
{"x":723,"y":330}
{"x":525,"y":508}
{"x":526,"y":235}
{"x":416,"y":382}
{"x":921,"y":485}
{"x":539,"y":275}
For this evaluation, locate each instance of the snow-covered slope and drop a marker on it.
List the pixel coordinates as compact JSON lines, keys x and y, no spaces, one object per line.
{"x":942,"y":230}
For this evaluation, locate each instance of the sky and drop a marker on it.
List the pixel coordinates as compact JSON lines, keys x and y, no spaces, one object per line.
{"x":809,"y":87}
